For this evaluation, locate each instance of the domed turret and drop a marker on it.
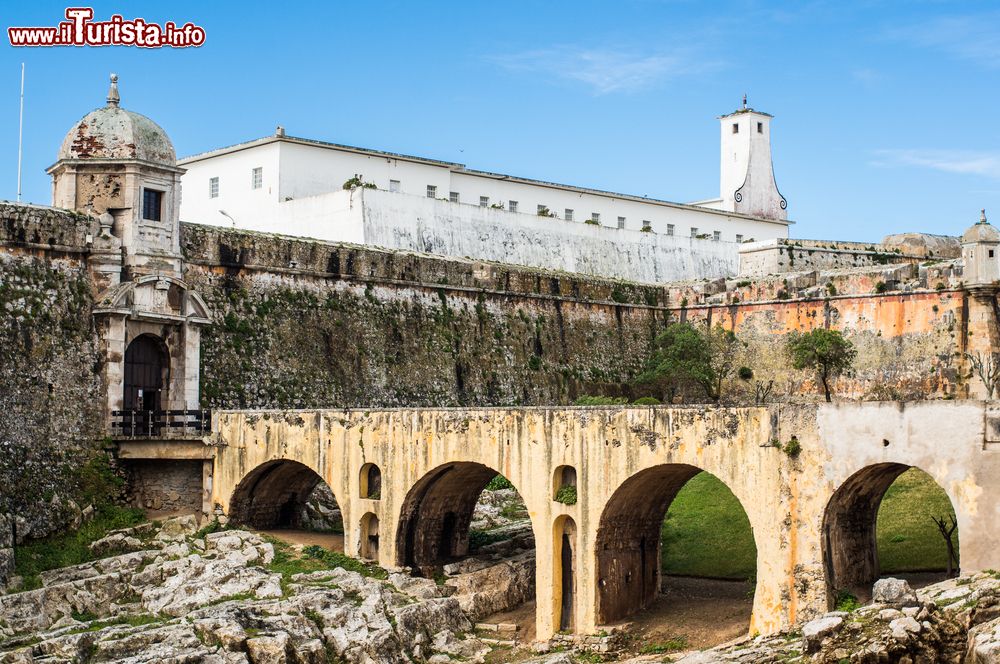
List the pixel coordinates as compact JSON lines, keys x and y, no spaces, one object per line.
{"x":981,"y":252}
{"x":111,"y":132}
{"x":120,"y":163}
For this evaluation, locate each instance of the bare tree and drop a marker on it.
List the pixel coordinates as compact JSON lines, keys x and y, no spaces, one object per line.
{"x":988,"y":368}
{"x":762,"y":391}
{"x":946,"y":533}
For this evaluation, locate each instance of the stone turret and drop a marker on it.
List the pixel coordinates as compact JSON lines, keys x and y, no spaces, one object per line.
{"x":117,"y":162}
{"x":981,"y":253}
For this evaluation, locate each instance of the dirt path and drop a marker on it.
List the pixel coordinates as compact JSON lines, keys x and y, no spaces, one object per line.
{"x":522,"y":616}
{"x":330,"y":541}
{"x":699,"y":612}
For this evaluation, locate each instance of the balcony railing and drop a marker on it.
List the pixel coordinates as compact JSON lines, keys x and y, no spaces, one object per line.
{"x":160,"y":423}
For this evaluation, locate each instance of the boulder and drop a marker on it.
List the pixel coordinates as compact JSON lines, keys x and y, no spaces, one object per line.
{"x":894,"y":592}
{"x":814,"y":631}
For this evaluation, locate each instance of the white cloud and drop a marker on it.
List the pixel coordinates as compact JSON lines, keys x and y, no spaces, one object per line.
{"x":605,"y":70}
{"x":972,"y":37}
{"x":966,"y":162}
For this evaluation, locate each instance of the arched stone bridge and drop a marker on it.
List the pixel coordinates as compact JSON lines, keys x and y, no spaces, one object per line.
{"x":813,"y":515}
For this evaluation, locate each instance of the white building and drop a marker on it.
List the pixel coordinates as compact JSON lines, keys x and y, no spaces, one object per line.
{"x":297,"y":186}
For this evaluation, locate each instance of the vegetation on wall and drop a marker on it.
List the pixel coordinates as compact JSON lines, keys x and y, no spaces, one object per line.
{"x":826,"y":352}
{"x":686,"y":356}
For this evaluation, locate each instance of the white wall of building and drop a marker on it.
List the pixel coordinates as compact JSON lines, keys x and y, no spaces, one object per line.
{"x":253,"y":209}
{"x":746,"y":173}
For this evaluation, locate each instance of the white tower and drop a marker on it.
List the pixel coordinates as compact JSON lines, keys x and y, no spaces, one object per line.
{"x":746,"y":177}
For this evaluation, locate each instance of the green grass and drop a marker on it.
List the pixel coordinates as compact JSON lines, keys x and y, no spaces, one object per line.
{"x":707,"y":533}
{"x":908,"y":540}
{"x":70,"y":548}
{"x":313,"y":559}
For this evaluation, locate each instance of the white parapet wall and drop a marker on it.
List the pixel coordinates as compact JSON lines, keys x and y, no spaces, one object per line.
{"x":780,"y":255}
{"x":414,"y":223}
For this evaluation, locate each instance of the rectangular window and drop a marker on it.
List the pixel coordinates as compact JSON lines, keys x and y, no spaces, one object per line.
{"x":621,"y":222}
{"x":568,"y":214}
{"x":991,"y":253}
{"x":739,"y":238}
{"x":716,"y":235}
{"x":736,"y":128}
{"x":694,"y":232}
{"x":453,"y":197}
{"x":394,"y":185}
{"x":213,"y":187}
{"x":432,"y":191}
{"x":257,"y":178}
{"x":760,"y":127}
{"x":152,"y":204}
{"x":484,"y":201}
{"x":670,"y":229}
{"x":512,"y":206}
{"x":595,"y":216}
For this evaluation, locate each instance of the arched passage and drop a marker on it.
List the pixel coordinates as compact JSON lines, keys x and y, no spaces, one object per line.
{"x":147,"y":366}
{"x":284,"y":494}
{"x":436,"y":513}
{"x":630,"y":538}
{"x":564,"y":573}
{"x":851,"y":525}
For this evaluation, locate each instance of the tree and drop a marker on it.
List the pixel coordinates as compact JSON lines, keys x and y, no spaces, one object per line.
{"x":685,"y":356}
{"x":946,"y":532}
{"x":988,"y":368}
{"x":824,"y":351}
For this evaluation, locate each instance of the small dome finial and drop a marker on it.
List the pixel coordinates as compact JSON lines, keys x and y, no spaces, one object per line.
{"x":982,"y":216}
{"x":113,"y":97}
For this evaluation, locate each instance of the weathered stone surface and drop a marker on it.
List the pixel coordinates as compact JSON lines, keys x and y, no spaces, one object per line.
{"x":497,"y":587}
{"x":814,"y":631}
{"x":895,"y":592}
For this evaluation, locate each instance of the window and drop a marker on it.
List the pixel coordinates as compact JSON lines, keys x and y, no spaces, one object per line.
{"x":542,"y":209}
{"x":256,"y":178}
{"x":760,"y":127}
{"x":716,"y":235}
{"x":694,"y":232}
{"x":512,"y":206}
{"x":739,"y":238}
{"x":736,"y":128}
{"x":394,"y":185}
{"x":670,"y":229}
{"x":484,"y":201}
{"x":595,"y":216}
{"x":568,"y":214}
{"x":453,"y":197}
{"x":621,"y":222}
{"x":152,"y":204}
{"x":432,"y":191}
{"x":991,"y":253}
{"x":213,"y":187}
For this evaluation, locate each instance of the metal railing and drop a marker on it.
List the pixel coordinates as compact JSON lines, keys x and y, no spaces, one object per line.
{"x":160,"y":423}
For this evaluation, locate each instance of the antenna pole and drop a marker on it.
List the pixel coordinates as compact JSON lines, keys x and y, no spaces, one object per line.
{"x":20,"y":134}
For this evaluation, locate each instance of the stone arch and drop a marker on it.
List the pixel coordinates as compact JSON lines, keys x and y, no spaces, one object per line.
{"x":849,"y":534}
{"x":564,"y":573}
{"x":628,"y":543}
{"x":147,"y":374}
{"x":434,"y":518}
{"x":370,"y":482}
{"x":267,"y":496}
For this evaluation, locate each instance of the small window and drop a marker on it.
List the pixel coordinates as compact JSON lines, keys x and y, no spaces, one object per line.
{"x":694,"y":232}
{"x":432,"y":191}
{"x":394,"y":185}
{"x":621,"y":222}
{"x":595,"y":216}
{"x":568,"y":214}
{"x":484,"y":201}
{"x":542,"y":209}
{"x":213,"y":187}
{"x":991,"y":253}
{"x":739,"y":238}
{"x":760,"y":127}
{"x":152,"y":204}
{"x":736,"y":128}
{"x":257,"y":178}
{"x":512,"y":206}
{"x":670,"y":229}
{"x":716,"y":235}
{"x":453,"y":197}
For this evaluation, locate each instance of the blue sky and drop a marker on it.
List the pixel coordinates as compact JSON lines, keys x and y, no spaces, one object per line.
{"x":885,"y":112}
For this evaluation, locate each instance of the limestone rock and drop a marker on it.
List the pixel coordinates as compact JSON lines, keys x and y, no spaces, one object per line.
{"x":268,"y":649}
{"x":984,"y":643}
{"x":895,"y":592}
{"x":814,"y":631}
{"x":902,"y":628}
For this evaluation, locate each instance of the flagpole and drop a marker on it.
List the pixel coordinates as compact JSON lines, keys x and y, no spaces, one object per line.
{"x":20,"y":134}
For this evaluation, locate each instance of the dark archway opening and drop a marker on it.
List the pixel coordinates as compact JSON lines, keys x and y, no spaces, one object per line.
{"x":675,"y":553}
{"x":290,"y":497}
{"x":881,"y":521}
{"x":147,"y":366}
{"x":460,"y":521}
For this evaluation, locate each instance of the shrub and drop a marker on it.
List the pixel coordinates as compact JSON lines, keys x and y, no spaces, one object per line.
{"x":793,"y":447}
{"x":534,"y":363}
{"x":647,"y":401}
{"x":588,"y":400}
{"x":356,"y":182}
{"x":846,"y":601}
{"x":831,"y":288}
{"x":566,"y":494}
{"x":499,"y":482}
{"x":745,"y":373}
{"x":880,"y":287}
